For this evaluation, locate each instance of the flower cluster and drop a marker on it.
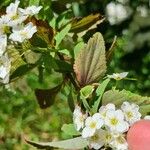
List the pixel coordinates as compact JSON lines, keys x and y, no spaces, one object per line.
{"x":13,"y":28}
{"x":108,"y":127}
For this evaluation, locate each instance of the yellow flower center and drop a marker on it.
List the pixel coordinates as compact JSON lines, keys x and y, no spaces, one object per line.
{"x":129,"y":114}
{"x":93,"y":125}
{"x":95,"y":137}
{"x":114,"y":121}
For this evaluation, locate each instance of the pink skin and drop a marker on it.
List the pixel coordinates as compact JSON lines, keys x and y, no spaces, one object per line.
{"x":138,"y":136}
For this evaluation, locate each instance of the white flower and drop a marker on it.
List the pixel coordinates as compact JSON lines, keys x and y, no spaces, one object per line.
{"x":4,"y":27}
{"x":91,"y":125}
{"x":103,"y":109}
{"x":3,"y":44}
{"x":4,"y":69}
{"x":119,"y":142}
{"x":22,"y":33}
{"x":115,"y":121}
{"x":12,"y":9}
{"x":31,"y":10}
{"x":131,"y":112}
{"x":13,"y":15}
{"x":147,"y":117}
{"x":97,"y":140}
{"x":116,"y":13}
{"x":118,"y":76}
{"x":78,"y":118}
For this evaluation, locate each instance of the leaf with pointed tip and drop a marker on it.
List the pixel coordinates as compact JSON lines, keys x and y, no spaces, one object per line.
{"x":111,"y":50}
{"x":90,"y":64}
{"x":82,"y":24}
{"x":99,"y":92}
{"x":75,"y":143}
{"x":22,"y":70}
{"x":118,"y":97}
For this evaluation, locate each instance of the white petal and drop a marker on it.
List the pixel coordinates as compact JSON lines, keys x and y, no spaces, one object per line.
{"x":87,"y":132}
{"x":147,"y":117}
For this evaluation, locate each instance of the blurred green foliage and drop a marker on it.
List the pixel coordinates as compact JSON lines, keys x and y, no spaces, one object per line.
{"x":20,"y":113}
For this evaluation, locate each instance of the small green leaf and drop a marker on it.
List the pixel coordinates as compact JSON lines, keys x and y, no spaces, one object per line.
{"x":69,"y":129}
{"x":100,"y":90}
{"x":75,"y":143}
{"x":60,"y":35}
{"x":71,"y":100}
{"x":86,"y":91}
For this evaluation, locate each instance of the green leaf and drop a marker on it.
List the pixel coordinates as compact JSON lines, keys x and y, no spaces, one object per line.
{"x":77,"y":48}
{"x":90,"y":64}
{"x":99,"y":92}
{"x":86,"y":91}
{"x":69,"y":129}
{"x":82,"y":24}
{"x":60,"y":35}
{"x":22,"y":70}
{"x":57,"y":65}
{"x":71,"y":100}
{"x":118,"y":97}
{"x":75,"y":143}
{"x":34,"y":2}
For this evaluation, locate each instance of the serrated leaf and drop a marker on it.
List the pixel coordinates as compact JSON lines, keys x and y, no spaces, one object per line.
{"x":82,"y":24}
{"x":60,"y":35}
{"x":75,"y":143}
{"x":69,"y":129}
{"x":90,"y":64}
{"x":118,"y":97}
{"x":99,"y":92}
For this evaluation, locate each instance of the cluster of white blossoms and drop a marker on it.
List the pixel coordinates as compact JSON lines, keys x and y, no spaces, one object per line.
{"x":108,"y":127}
{"x":13,"y":28}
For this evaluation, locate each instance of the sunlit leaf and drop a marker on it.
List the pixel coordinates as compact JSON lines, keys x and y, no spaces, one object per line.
{"x":90,"y":64}
{"x":75,"y":143}
{"x":69,"y":129}
{"x":86,"y":91}
{"x":82,"y":24}
{"x":99,"y":92}
{"x":60,"y":35}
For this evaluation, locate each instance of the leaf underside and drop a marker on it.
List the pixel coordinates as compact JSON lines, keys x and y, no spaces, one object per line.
{"x":75,"y":143}
{"x":90,"y":64}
